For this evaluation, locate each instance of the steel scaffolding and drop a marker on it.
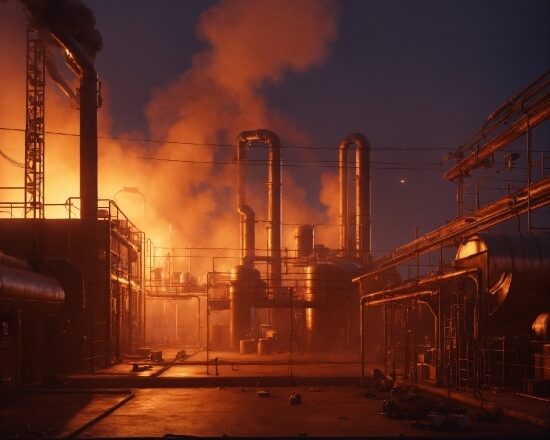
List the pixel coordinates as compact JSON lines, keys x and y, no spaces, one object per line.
{"x":34,"y":130}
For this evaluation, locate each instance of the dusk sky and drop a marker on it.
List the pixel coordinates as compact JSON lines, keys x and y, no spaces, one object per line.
{"x":404,"y":73}
{"x":421,"y":75}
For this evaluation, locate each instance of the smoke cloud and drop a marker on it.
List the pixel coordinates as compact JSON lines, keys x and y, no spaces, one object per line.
{"x":251,"y":43}
{"x":73,"y":16}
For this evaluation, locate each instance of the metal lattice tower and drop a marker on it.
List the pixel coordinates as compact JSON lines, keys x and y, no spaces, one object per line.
{"x":34,"y":130}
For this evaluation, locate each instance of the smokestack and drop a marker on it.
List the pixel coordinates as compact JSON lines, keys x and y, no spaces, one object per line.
{"x":362,"y":195}
{"x":72,"y":26}
{"x":269,"y":138}
{"x":88,"y":98}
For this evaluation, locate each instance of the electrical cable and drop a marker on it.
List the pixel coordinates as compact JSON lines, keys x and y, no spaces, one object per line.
{"x":12,"y":160}
{"x":283,"y":165}
{"x":219,"y":144}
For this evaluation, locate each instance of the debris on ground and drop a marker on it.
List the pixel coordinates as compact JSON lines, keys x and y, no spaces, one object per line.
{"x":382,"y":382}
{"x":367,"y":394}
{"x":449,"y":422}
{"x":424,"y":412}
{"x":295,"y":399}
{"x":137,"y":367}
{"x":181,"y":354}
{"x":263,"y":393}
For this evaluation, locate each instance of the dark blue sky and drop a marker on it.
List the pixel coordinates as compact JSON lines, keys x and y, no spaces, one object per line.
{"x":404,"y":73}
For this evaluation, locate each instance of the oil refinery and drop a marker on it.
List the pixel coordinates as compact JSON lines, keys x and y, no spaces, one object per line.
{"x":113,"y":327}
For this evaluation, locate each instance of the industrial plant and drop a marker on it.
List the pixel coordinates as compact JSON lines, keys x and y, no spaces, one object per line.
{"x":90,"y":302}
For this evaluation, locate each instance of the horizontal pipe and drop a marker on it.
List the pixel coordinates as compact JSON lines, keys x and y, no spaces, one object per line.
{"x":501,"y":210}
{"x":176,"y":296}
{"x":417,"y":286}
{"x":18,"y":285}
{"x":420,"y":294}
{"x":540,"y":113}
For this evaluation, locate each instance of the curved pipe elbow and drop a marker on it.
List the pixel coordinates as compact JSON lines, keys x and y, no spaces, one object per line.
{"x":357,"y":139}
{"x":260,"y":135}
{"x":247,"y":212}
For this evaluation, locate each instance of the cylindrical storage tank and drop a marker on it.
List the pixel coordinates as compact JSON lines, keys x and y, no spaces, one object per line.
{"x":304,"y":241}
{"x":515,"y":273}
{"x":245,"y":287}
{"x":331,"y":324}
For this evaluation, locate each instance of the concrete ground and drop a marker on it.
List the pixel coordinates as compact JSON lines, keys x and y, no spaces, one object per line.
{"x":324,"y":411}
{"x":249,"y":397}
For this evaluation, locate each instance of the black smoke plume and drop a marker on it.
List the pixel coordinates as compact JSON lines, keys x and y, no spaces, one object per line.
{"x":72,"y":16}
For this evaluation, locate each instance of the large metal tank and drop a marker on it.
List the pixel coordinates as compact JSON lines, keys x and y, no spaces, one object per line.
{"x":245,"y":287}
{"x":332,"y":322}
{"x":515,"y":273}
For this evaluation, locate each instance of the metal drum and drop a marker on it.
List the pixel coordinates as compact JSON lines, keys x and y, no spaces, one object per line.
{"x":264,"y":346}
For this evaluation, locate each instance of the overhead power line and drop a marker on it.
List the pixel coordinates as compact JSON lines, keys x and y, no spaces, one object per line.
{"x":12,"y":160}
{"x":285,"y":165}
{"x":218,"y":144}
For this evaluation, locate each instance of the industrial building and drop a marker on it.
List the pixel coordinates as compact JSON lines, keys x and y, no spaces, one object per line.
{"x":89,"y":302}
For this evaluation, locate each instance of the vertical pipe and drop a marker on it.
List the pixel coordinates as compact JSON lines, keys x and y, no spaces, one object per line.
{"x":274,"y":207}
{"x":343,"y":181}
{"x":88,"y":145}
{"x":199,"y":323}
{"x":362,"y":197}
{"x":362,"y":207}
{"x":247,"y":235}
{"x":363,"y":341}
{"x":208,"y":276}
{"x":89,"y":102}
{"x":529,"y":143}
{"x":273,"y":194}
